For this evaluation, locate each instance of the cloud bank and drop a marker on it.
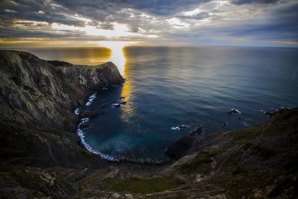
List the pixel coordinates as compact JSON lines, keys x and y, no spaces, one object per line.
{"x":193,"y":22}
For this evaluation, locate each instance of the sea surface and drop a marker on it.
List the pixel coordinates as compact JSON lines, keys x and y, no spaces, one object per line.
{"x":166,"y":87}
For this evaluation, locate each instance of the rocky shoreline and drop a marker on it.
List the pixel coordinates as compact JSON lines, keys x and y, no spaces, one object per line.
{"x":41,"y":156}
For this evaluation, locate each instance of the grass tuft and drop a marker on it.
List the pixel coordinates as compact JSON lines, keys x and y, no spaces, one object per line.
{"x":200,"y":164}
{"x":141,"y":185}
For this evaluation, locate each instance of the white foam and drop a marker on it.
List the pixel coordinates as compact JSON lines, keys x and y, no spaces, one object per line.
{"x":245,"y":124}
{"x":80,"y":132}
{"x":233,"y":110}
{"x":90,"y":99}
{"x":114,"y":105}
{"x":175,"y":128}
{"x":89,"y":148}
{"x":77,"y":111}
{"x":85,"y":120}
{"x":111,"y":158}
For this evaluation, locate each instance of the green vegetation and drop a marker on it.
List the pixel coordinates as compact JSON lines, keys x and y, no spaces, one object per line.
{"x":141,"y":185}
{"x":200,"y":164}
{"x":284,"y":122}
{"x":246,"y":135}
{"x":243,"y":137}
{"x":263,"y":152}
{"x":67,"y":120}
{"x":243,"y":182}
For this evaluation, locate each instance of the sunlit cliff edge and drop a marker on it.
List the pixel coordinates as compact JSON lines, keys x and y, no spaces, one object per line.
{"x":39,"y":92}
{"x":40,"y":155}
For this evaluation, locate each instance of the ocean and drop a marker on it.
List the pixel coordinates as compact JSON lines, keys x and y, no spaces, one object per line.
{"x":167,"y":87}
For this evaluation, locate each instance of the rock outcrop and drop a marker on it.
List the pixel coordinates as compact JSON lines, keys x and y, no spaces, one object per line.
{"x":183,"y":145}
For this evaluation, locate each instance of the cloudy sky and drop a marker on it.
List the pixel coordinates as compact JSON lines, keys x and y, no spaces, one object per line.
{"x":149,"y":22}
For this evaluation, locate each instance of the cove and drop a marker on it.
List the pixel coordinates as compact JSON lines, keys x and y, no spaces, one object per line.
{"x":168,"y":87}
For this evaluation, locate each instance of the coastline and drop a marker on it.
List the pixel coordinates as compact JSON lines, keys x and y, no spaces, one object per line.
{"x":174,"y":151}
{"x":80,"y":133}
{"x":42,"y":158}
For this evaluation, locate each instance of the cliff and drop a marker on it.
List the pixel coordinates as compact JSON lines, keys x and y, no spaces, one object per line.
{"x":39,"y":92}
{"x":37,"y":102}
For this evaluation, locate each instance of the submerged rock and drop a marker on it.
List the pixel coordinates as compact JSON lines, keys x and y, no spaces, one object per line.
{"x":225,"y":124}
{"x":116,"y":105}
{"x":179,"y":128}
{"x":123,"y":102}
{"x":234,"y":111}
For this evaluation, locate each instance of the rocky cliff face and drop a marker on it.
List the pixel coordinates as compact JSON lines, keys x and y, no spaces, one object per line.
{"x":37,"y":102}
{"x":38,"y":92}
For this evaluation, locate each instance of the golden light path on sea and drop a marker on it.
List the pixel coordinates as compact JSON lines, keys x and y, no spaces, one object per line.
{"x":119,"y":58}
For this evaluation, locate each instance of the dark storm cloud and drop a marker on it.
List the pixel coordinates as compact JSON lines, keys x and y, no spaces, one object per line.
{"x":34,"y":10}
{"x":33,"y":33}
{"x":158,"y":7}
{"x":239,"y":2}
{"x":165,"y":7}
{"x":20,"y":19}
{"x":282,"y":24}
{"x":198,"y":16}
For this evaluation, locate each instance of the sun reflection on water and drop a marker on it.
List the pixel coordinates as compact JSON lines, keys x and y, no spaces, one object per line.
{"x":118,"y":57}
{"x":127,"y":92}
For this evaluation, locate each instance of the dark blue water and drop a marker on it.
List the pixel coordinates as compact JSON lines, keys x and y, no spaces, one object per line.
{"x":167,"y":87}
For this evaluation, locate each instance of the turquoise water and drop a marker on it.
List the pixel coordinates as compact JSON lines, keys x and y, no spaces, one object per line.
{"x":168,"y":87}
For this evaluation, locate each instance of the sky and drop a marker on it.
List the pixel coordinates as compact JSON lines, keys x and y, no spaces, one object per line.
{"x":149,"y":22}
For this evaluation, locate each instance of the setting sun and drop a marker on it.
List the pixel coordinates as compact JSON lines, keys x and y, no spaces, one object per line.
{"x":117,"y":53}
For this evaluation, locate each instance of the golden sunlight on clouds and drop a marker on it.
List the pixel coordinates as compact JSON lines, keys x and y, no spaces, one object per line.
{"x":177,"y":23}
{"x":119,"y":31}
